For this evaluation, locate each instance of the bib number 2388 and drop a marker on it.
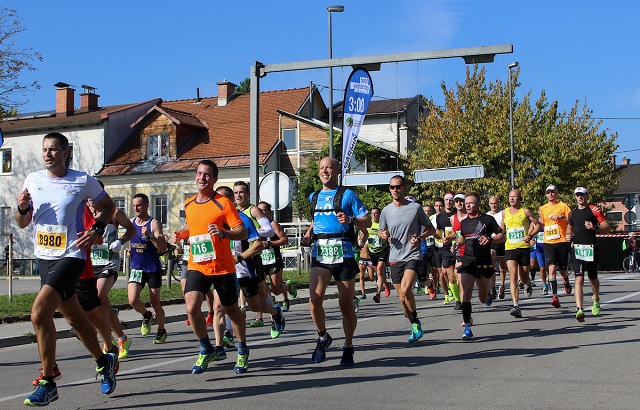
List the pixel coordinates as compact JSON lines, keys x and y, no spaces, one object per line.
{"x":330,"y":251}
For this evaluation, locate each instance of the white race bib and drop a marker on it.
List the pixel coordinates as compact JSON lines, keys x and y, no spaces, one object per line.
{"x":51,"y":240}
{"x":330,"y":251}
{"x":515,"y":235}
{"x":135,"y":276}
{"x":583,"y":252}
{"x":99,"y":255}
{"x":268,"y":257}
{"x":551,"y":232}
{"x":202,"y":248}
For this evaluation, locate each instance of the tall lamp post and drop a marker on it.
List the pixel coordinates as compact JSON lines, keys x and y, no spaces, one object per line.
{"x":513,"y":177}
{"x":331,"y":9}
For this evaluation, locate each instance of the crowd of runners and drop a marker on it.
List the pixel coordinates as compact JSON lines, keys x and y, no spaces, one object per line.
{"x":231,"y":258}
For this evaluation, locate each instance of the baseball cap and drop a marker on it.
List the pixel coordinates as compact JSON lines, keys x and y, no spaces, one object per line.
{"x":459,"y":196}
{"x":449,"y":195}
{"x":551,"y":188}
{"x":581,"y":190}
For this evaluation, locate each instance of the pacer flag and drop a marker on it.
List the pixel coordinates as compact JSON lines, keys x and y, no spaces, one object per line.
{"x":357,"y":95}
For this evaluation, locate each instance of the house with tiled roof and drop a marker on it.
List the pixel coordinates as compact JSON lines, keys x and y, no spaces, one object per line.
{"x":94,"y":132}
{"x":391,"y":123}
{"x":166,"y":143}
{"x":625,"y":201}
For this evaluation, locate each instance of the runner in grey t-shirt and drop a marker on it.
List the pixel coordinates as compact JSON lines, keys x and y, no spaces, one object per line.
{"x":401,"y":224}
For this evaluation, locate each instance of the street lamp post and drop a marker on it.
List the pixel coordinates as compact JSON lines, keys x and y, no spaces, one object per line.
{"x":513,"y":177}
{"x":331,"y":9}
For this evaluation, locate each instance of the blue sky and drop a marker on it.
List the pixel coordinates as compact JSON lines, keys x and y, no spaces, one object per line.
{"x":137,"y":50}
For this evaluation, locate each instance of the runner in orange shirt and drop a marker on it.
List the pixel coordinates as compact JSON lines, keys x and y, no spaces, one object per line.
{"x":211,"y":221}
{"x":553,"y":219}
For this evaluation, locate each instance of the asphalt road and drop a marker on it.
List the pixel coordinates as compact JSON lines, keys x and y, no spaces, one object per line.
{"x":544,"y":360}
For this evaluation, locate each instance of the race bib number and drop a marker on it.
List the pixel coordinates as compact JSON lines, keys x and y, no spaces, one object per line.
{"x":583,"y":252}
{"x":202,"y":248}
{"x":515,"y":235}
{"x":330,"y":251}
{"x":268,"y":257}
{"x":99,"y":255}
{"x":540,"y":237}
{"x":431,"y":241}
{"x":448,"y":231}
{"x":51,"y":240}
{"x":375,"y":241}
{"x":135,"y":276}
{"x":551,"y":232}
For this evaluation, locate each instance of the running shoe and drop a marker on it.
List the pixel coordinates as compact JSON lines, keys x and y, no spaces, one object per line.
{"x":494,"y":293}
{"x":470,"y":323}
{"x":243,"y":309}
{"x":520,"y":284}
{"x":123,"y":346}
{"x":320,"y":353}
{"x":419,"y":289}
{"x":356,"y":305}
{"x":242,"y":364}
{"x":361,"y":296}
{"x":468,"y":334}
{"x":515,"y":312}
{"x":107,"y":374}
{"x":528,"y":290}
{"x":432,"y":293}
{"x":501,"y":292}
{"x":490,"y":300}
{"x":187,"y":322}
{"x":416,"y":332}
{"x":458,"y":305}
{"x":447,"y":299}
{"x":387,"y":290}
{"x":277,"y":324}
{"x":545,"y":289}
{"x":116,"y":311}
{"x":205,"y":358}
{"x":45,"y":393}
{"x":161,"y":337}
{"x":438,"y":289}
{"x":286,"y":305}
{"x":580,"y":315}
{"x":376,"y":297}
{"x":227,"y":340}
{"x":293,"y":292}
{"x":567,"y":286}
{"x":56,"y":375}
{"x":595,"y":310}
{"x":555,"y":302}
{"x":347,"y":356}
{"x":146,"y":323}
{"x":258,"y":322}
{"x":533,"y":283}
{"x":209,"y":321}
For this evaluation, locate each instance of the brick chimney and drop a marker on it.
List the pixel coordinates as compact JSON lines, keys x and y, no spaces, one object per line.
{"x":613,"y":162}
{"x":64,"y":99}
{"x":89,"y":98}
{"x":626,"y":161}
{"x":225,"y":92}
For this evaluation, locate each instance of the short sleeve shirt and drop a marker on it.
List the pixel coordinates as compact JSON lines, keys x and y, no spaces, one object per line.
{"x":403,"y":222}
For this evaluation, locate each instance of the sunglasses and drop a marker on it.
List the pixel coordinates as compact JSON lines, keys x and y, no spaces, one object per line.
{"x":551,"y":192}
{"x":579,"y":194}
{"x":459,"y":200}
{"x":395,"y":186}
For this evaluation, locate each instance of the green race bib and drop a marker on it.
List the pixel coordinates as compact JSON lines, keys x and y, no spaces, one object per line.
{"x":268,"y":257}
{"x":201,"y":248}
{"x":330,"y":251}
{"x":515,"y":235}
{"x":583,"y":252}
{"x":135,"y":276}
{"x":99,"y":255}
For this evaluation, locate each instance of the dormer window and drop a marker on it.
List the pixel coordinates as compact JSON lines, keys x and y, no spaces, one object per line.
{"x":158,"y":145}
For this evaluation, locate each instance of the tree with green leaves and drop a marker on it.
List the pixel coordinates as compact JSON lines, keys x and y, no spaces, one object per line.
{"x":13,"y":61}
{"x":244,"y":87}
{"x":565,"y":149}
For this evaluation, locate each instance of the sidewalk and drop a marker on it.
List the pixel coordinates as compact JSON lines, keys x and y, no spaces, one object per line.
{"x":17,"y":333}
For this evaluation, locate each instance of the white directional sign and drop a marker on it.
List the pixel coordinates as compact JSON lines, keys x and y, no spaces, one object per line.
{"x":276,"y":188}
{"x":448,"y":174}
{"x":369,"y":178}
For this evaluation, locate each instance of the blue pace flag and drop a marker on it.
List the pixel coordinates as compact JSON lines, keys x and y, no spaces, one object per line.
{"x":357,"y":94}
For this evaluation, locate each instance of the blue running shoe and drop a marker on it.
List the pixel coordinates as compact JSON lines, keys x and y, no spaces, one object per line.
{"x":490,"y":300}
{"x":242,"y":364}
{"x":320,"y":353}
{"x":468,"y":334}
{"x":416,"y":332}
{"x":43,"y":395}
{"x":107,"y":374}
